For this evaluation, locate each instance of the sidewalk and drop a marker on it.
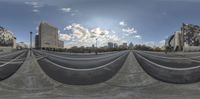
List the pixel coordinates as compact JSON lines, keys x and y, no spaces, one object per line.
{"x":28,"y":79}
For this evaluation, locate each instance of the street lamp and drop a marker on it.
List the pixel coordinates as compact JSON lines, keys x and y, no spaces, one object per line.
{"x":96,"y":46}
{"x":31,"y":43}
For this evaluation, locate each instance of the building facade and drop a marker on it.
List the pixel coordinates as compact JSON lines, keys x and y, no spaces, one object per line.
{"x":61,"y":44}
{"x":7,"y":38}
{"x":187,"y":39}
{"x":125,"y":45}
{"x":115,"y":45}
{"x":130,"y":46}
{"x":175,"y":41}
{"x":191,"y":34}
{"x":37,"y":42}
{"x":48,"y":36}
{"x":110,"y":45}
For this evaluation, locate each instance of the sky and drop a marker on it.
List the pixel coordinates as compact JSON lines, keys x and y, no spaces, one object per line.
{"x":80,"y":22}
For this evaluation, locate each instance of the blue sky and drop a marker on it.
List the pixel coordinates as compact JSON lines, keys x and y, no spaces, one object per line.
{"x":81,"y":21}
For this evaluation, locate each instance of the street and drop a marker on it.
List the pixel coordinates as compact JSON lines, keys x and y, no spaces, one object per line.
{"x":134,"y":73}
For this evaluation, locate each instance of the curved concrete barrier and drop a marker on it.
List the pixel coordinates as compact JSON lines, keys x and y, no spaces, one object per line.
{"x":175,"y":62}
{"x":169,"y":74}
{"x":83,"y":64}
{"x":7,"y":69}
{"x":11,"y":55}
{"x":87,"y":76}
{"x":79,"y":57}
{"x":174,"y":54}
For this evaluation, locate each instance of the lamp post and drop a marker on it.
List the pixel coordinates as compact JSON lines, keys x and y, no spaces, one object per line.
{"x":31,"y":43}
{"x":96,"y":46}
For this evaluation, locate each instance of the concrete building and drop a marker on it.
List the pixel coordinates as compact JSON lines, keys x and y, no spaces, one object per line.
{"x":175,"y":41}
{"x":178,"y":41}
{"x":37,"y":42}
{"x":115,"y":45}
{"x":191,"y":34}
{"x":110,"y":45}
{"x":130,"y":46}
{"x":188,"y":39}
{"x":125,"y":45}
{"x":48,"y":36}
{"x":7,"y":39}
{"x":191,"y":37}
{"x":61,"y":44}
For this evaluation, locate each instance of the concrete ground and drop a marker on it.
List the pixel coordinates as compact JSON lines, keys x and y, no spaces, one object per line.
{"x":130,"y":83}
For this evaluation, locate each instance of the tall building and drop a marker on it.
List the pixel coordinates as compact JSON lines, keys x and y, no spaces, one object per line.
{"x":125,"y":45}
{"x":115,"y":45}
{"x":48,"y":36}
{"x":130,"y":46}
{"x":110,"y":45}
{"x":37,"y":41}
{"x":61,"y":44}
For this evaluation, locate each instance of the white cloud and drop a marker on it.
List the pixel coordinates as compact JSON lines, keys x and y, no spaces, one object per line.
{"x":70,"y":11}
{"x":150,"y":43}
{"x":35,"y":5}
{"x":129,"y":30}
{"x":155,"y":44}
{"x":161,"y":43}
{"x":69,"y":27}
{"x":66,"y":9}
{"x":96,"y":32}
{"x":122,"y":23}
{"x":31,"y":3}
{"x":64,"y":37}
{"x":78,"y":31}
{"x":137,"y":36}
{"x":36,"y":10}
{"x":82,"y":36}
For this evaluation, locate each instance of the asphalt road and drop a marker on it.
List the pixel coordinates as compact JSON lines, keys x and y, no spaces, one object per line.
{"x":89,"y":61}
{"x":179,"y":70}
{"x":174,"y":54}
{"x":130,"y":82}
{"x":174,"y":62}
{"x":81,"y":71}
{"x":79,"y":55}
{"x":11,"y":62}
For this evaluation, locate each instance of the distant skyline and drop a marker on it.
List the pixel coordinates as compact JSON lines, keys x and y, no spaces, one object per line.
{"x":82,"y":21}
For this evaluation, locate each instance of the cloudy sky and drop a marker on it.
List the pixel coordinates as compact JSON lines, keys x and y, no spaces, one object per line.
{"x":82,"y":21}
